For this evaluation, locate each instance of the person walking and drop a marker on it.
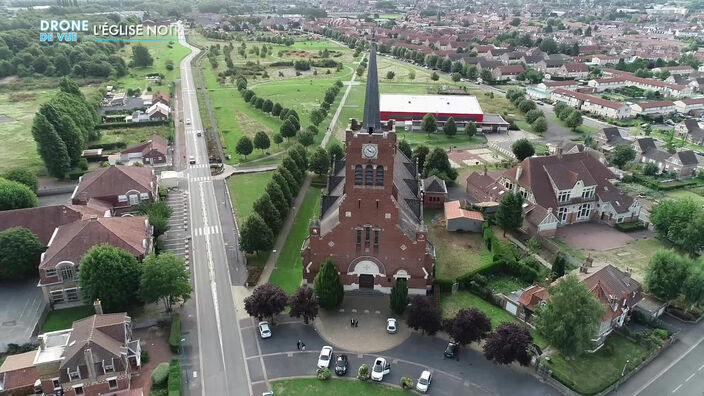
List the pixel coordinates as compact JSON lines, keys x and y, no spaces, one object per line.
{"x":298,"y":345}
{"x":303,"y":347}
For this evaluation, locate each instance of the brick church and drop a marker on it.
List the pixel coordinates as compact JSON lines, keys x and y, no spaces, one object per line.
{"x":371,"y":218}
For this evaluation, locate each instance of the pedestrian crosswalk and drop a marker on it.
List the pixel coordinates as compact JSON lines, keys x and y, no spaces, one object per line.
{"x":200,"y":178}
{"x":209,"y":230}
{"x":199,"y":166}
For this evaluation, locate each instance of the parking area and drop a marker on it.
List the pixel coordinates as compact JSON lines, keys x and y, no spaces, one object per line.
{"x":593,"y":236}
{"x":20,"y":311}
{"x":177,"y":238}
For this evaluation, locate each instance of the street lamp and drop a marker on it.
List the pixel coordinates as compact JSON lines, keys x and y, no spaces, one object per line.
{"x":624,"y":367}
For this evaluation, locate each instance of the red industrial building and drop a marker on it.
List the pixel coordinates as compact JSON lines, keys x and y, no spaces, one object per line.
{"x":405,"y":107}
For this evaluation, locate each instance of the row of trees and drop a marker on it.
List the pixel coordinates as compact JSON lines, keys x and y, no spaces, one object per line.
{"x":534,"y":116}
{"x":62,"y":127}
{"x":429,"y":125}
{"x":271,"y":209}
{"x":570,"y":116}
{"x":681,"y":222}
{"x":269,"y":300}
{"x":118,"y":280}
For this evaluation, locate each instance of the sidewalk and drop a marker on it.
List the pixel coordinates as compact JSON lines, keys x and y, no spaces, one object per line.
{"x":283,"y":234}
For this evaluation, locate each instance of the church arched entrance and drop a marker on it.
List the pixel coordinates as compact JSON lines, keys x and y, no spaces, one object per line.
{"x":366,"y":271}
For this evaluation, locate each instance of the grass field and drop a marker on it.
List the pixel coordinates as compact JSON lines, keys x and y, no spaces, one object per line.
{"x":64,"y":318}
{"x":132,"y":136}
{"x":440,"y":140}
{"x":244,"y":190}
{"x":457,"y":253}
{"x":332,"y":387}
{"x":592,"y":372}
{"x":634,"y":256}
{"x":288,"y":271}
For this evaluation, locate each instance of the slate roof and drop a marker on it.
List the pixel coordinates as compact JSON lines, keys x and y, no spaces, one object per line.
{"x":645,"y":144}
{"x":687,"y":157}
{"x":613,"y":136}
{"x":155,"y":142}
{"x":434,"y":184}
{"x":372,"y":117}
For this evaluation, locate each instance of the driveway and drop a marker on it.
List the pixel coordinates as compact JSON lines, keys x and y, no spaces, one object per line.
{"x":592,"y":236}
{"x":20,"y":311}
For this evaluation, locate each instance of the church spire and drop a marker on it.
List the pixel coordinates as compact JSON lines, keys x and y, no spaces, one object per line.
{"x":372,"y":119}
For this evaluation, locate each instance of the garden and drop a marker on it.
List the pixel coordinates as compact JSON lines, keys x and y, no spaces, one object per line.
{"x":332,"y":387}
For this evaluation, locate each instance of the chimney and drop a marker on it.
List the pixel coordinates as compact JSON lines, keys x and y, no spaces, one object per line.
{"x":98,"y":307}
{"x":90,"y":362}
{"x":559,"y":152}
{"x":589,"y":261}
{"x":519,"y":172}
{"x":93,"y":218}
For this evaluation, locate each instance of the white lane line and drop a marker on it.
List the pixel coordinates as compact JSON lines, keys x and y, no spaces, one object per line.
{"x":678,"y":388}
{"x":700,"y":367}
{"x":696,"y":344}
{"x":689,"y":378}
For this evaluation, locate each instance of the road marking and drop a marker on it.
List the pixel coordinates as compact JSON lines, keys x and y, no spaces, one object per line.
{"x":700,"y":367}
{"x":696,"y":344}
{"x":678,"y":388}
{"x":689,"y":378}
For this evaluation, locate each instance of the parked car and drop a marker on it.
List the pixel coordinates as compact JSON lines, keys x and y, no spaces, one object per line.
{"x":268,"y":393}
{"x":424,"y":381}
{"x":191,"y":160}
{"x":452,"y":350}
{"x":380,"y":369}
{"x":391,"y":326}
{"x":188,"y":121}
{"x":199,"y":133}
{"x":264,"y":329}
{"x":341,"y":364}
{"x":324,"y":357}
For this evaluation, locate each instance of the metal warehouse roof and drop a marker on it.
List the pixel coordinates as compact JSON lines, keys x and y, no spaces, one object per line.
{"x":437,"y":104}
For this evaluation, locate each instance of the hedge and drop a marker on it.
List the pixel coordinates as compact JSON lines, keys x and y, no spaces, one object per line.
{"x":115,"y":125}
{"x":108,"y":146}
{"x":160,"y":375}
{"x":657,"y":185}
{"x":442,"y":285}
{"x":631,"y":226}
{"x":174,"y":378}
{"x":175,"y":335}
{"x":282,"y":63}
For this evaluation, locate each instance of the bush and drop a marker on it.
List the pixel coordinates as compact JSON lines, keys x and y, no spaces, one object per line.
{"x":406,"y":383}
{"x":631,"y":226}
{"x":174,"y":384}
{"x":74,"y":174}
{"x":442,"y":285}
{"x":160,"y":375}
{"x":323,"y":374}
{"x":144,"y":356}
{"x":661,"y":334}
{"x":363,"y":373}
{"x":108,"y":146}
{"x":175,"y":334}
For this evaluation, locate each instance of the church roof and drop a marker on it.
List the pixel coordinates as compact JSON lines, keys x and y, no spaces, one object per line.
{"x":372,"y":117}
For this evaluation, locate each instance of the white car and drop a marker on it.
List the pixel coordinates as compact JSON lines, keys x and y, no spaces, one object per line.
{"x":192,"y":160}
{"x":424,"y":381}
{"x":380,"y":369}
{"x":264,"y":329}
{"x":188,"y":121}
{"x":391,"y":326}
{"x":325,"y":357}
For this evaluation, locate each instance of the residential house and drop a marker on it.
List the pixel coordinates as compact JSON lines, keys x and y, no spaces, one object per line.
{"x":434,"y":192}
{"x":593,"y":104}
{"x":616,"y":290}
{"x":488,"y":64}
{"x":571,"y":188}
{"x":160,"y":97}
{"x":462,"y":220}
{"x":689,"y":130}
{"x":18,"y":375}
{"x":118,"y":99}
{"x":653,"y":109}
{"x":119,"y":187}
{"x":683,"y":163}
{"x":550,"y":66}
{"x":602,"y":84}
{"x":149,"y":152}
{"x":512,"y":57}
{"x":681,"y":70}
{"x":59,"y":264}
{"x":507,"y":72}
{"x":685,"y":106}
{"x":576,"y":71}
{"x":603,"y":59}
{"x":158,"y":112}
{"x":608,"y":138}
{"x":42,"y":221}
{"x":545,"y":88}
{"x":96,"y":356}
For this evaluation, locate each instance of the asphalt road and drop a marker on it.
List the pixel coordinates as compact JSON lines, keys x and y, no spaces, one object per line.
{"x":277,"y":357}
{"x":219,"y":347}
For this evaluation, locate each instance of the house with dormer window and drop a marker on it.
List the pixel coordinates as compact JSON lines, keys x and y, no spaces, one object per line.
{"x":119,"y":187}
{"x":59,"y":264}
{"x":563,"y":189}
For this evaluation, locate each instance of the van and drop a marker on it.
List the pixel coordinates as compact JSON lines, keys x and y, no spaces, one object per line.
{"x":191,"y":160}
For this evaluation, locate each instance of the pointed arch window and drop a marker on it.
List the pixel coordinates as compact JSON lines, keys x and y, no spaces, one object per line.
{"x":379,"y":176}
{"x":369,"y":176}
{"x":358,"y":175}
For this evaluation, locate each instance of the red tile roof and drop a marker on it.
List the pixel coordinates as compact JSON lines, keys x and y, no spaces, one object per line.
{"x":453,"y":210}
{"x":650,"y":105}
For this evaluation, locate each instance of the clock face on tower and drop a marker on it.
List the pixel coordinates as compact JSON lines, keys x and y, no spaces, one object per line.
{"x":369,"y":151}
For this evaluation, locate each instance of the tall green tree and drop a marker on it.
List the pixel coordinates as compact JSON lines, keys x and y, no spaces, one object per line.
{"x":558,"y":265}
{"x":328,"y":286}
{"x":450,"y":127}
{"x":279,"y":179}
{"x":291,"y":181}
{"x":437,"y":163}
{"x":166,"y":279}
{"x":51,"y":148}
{"x":261,"y":141}
{"x":288,"y":129}
{"x":294,"y":168}
{"x":666,"y":274}
{"x":420,"y":154}
{"x":277,"y":198}
{"x":693,"y":286}
{"x":244,"y":146}
{"x":429,"y":124}
{"x":20,"y":253}
{"x":141,"y":56}
{"x":266,"y":209}
{"x":540,"y":125}
{"x":405,"y":148}
{"x":69,"y":86}
{"x":24,"y":176}
{"x":255,"y":235}
{"x":679,"y":221}
{"x":470,"y":129}
{"x":623,"y":154}
{"x":14,"y":195}
{"x":571,"y":318}
{"x":510,"y":214}
{"x":336,"y":152}
{"x":522,"y":149}
{"x":399,"y":296}
{"x":574,"y":120}
{"x":111,"y":275}
{"x":158,"y":213}
{"x":319,"y":162}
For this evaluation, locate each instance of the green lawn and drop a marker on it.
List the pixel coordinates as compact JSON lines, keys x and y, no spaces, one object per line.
{"x":635,"y":256}
{"x":450,"y":304}
{"x":132,"y":136}
{"x":505,"y":284}
{"x":456,"y":253}
{"x":682,"y":194}
{"x":440,"y":140}
{"x":244,"y":190}
{"x":592,"y":372}
{"x":287,"y":273}
{"x":64,"y":318}
{"x":332,"y":387}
